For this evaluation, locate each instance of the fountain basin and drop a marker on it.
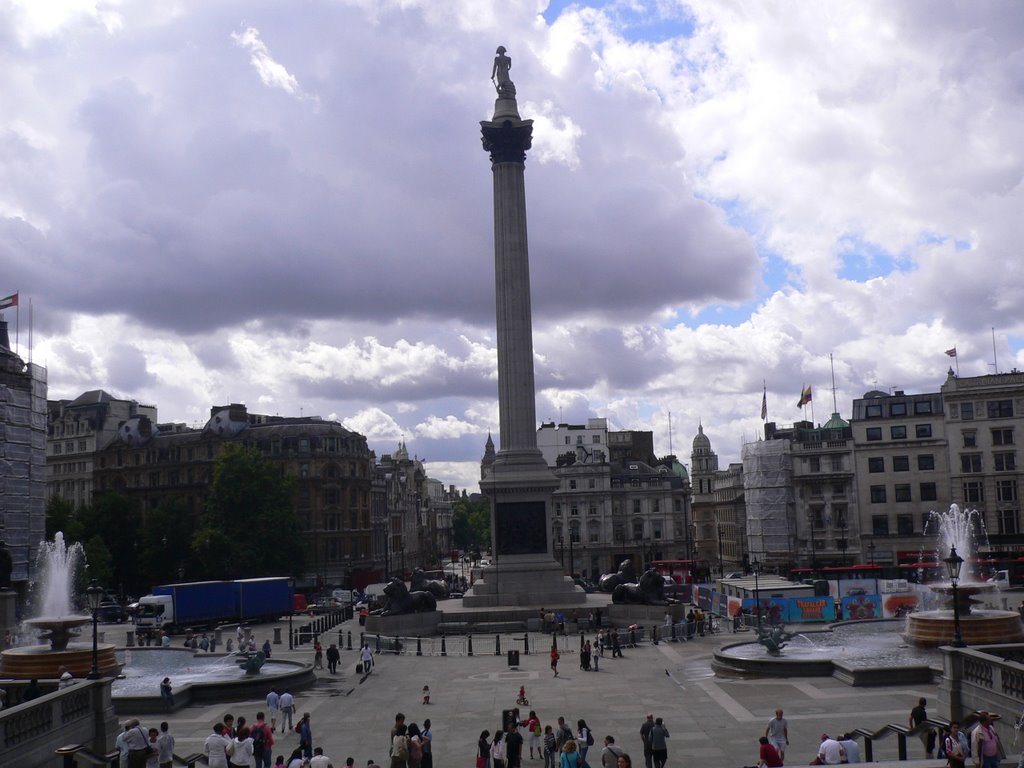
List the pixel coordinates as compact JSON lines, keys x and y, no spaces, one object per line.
{"x":41,"y":662}
{"x":930,"y":629}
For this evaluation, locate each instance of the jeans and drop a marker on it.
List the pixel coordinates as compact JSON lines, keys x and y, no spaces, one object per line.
{"x":549,"y":759}
{"x":286,"y":718}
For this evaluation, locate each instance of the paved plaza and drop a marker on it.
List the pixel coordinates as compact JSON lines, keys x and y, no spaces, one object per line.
{"x":712,"y":721}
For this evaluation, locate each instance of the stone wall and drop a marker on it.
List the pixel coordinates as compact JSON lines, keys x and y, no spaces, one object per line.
{"x":983,"y":678}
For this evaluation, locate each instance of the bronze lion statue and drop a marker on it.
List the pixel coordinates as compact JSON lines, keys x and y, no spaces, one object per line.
{"x":399,"y":600}
{"x":650,"y":590}
{"x":420,"y":583}
{"x":626,"y":574}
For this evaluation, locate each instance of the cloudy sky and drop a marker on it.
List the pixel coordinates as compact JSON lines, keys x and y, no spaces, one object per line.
{"x":287,"y":204}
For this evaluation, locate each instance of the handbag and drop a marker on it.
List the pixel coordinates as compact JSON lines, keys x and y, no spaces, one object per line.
{"x":148,"y":748}
{"x":481,"y":761}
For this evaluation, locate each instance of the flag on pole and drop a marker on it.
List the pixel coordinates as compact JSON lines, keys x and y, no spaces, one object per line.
{"x":805,"y":396}
{"x":9,"y":301}
{"x":764,"y":404}
{"x":951,"y":352}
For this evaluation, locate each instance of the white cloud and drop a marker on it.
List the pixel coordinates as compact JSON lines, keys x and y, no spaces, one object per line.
{"x":271,"y":72}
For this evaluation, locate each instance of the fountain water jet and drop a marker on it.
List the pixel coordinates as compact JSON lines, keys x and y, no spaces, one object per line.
{"x":977,"y":625}
{"x":58,"y":621}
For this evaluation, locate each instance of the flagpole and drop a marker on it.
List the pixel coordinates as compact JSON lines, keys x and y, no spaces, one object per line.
{"x":17,"y":325}
{"x":832,"y":365}
{"x":30,"y":331}
{"x":957,"y":358}
{"x":995,"y":360}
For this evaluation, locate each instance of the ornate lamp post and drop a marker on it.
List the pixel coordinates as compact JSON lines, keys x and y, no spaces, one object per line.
{"x":94,"y":594}
{"x":953,"y":564}
{"x":757,"y":590}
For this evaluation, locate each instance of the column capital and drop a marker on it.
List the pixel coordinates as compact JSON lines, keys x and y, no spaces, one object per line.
{"x":507,"y":140}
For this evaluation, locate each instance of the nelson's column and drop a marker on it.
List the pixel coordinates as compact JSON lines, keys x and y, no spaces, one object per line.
{"x":519,"y":482}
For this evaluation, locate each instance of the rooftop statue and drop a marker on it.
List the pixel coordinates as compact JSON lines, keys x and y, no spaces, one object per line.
{"x":499,"y":75}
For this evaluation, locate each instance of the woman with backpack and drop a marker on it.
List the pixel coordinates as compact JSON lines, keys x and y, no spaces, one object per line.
{"x":532,"y":724}
{"x":586,"y":741}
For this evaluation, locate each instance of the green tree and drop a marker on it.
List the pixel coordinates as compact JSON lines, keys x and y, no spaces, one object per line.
{"x":471,"y":522}
{"x":101,"y":564}
{"x":250,"y":527}
{"x":61,"y":516}
{"x":116,"y":520}
{"x":165,"y":546}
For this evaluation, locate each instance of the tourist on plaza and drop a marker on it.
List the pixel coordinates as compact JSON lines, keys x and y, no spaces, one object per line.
{"x":956,"y":746}
{"x":778,"y":732}
{"x":66,"y":678}
{"x":585,"y":740}
{"x":366,"y":656}
{"x":610,"y":753}
{"x":616,"y":649}
{"x":768,"y":755}
{"x":273,"y":704}
{"x":138,"y":745}
{"x":659,"y":744}
{"x":830,"y":751}
{"x":513,"y":746}
{"x":498,"y":753}
{"x":306,"y":736}
{"x":333,"y":657}
{"x":31,"y":691}
{"x":262,"y":742}
{"x":239,"y":724}
{"x":555,"y":656}
{"x":414,"y":744}
{"x":318,"y":655}
{"x":585,"y":657}
{"x":204,"y":643}
{"x":399,"y":723}
{"x":165,"y":747}
{"x":918,"y":716}
{"x":986,"y":746}
{"x":166,"y":693}
{"x":216,"y":747}
{"x":570,"y":756}
{"x":563,"y":733}
{"x":624,"y":761}
{"x":241,"y":750}
{"x":550,"y":748}
{"x":296,"y":760}
{"x":427,"y":737}
{"x":320,"y":760}
{"x":266,"y":648}
{"x":851,"y":749}
{"x":399,"y":746}
{"x":229,"y":725}
{"x":287,"y":703}
{"x":483,"y":750}
{"x":121,"y":744}
{"x":153,"y":757}
{"x":645,"y":737}
{"x":532,"y":724}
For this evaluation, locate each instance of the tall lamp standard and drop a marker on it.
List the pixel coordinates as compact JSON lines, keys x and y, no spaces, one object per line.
{"x":291,"y":635}
{"x":953,"y":564}
{"x":757,"y":590}
{"x":94,"y":594}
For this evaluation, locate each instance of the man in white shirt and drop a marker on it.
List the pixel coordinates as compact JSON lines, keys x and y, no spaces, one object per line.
{"x":165,"y":747}
{"x":319,"y":759}
{"x":287,"y":703}
{"x":830,"y":752}
{"x":216,"y":747}
{"x":366,"y":656}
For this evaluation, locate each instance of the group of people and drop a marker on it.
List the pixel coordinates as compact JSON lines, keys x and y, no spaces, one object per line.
{"x":561,"y":746}
{"x":139,"y":747}
{"x":411,"y":745}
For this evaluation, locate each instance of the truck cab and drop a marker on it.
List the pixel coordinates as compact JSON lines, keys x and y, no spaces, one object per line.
{"x":155,"y":612}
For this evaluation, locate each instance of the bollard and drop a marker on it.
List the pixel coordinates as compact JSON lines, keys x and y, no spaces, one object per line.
{"x":378,"y":642}
{"x":469,"y":645}
{"x":654,"y":634}
{"x":362,"y":639}
{"x":497,"y":645}
{"x":582,"y":641}
{"x":349,"y":644}
{"x":277,"y":635}
{"x":130,"y":639}
{"x":444,"y":646}
{"x":419,"y":645}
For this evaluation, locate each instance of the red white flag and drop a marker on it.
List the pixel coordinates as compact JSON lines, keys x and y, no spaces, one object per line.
{"x":951,"y":352}
{"x":9,"y":301}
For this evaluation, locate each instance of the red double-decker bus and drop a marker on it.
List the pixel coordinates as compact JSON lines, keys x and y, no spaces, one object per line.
{"x":683,"y":571}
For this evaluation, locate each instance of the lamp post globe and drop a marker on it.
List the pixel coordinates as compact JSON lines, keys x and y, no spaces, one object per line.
{"x":94,"y":595}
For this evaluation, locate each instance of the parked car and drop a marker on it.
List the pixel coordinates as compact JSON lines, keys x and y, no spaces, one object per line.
{"x":111,"y":612}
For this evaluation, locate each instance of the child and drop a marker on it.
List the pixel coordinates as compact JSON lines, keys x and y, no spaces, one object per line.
{"x":521,"y":698}
{"x":426,"y":694}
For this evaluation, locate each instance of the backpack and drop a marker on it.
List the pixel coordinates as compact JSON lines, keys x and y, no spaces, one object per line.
{"x":415,"y":750}
{"x":590,"y":738}
{"x":259,"y":741}
{"x":536,"y":729}
{"x":402,"y":750}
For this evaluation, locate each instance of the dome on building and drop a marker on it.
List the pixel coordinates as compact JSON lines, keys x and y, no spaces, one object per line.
{"x":836,"y":423}
{"x":701,"y":443}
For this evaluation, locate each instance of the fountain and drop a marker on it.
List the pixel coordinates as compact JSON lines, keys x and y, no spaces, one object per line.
{"x":58,"y":622}
{"x":932,"y":628}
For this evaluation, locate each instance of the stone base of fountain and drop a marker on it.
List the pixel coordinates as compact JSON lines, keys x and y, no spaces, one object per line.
{"x":40,"y":662}
{"x":930,"y":629}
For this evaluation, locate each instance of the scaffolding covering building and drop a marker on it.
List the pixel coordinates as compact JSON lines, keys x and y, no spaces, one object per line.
{"x":768,"y":492}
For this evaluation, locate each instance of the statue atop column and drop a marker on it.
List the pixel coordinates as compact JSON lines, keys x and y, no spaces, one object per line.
{"x":499,"y":75}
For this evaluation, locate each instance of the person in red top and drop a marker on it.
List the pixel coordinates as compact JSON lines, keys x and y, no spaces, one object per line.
{"x":263,"y":742}
{"x":532,"y":725}
{"x":555,"y":655}
{"x":769,"y":755}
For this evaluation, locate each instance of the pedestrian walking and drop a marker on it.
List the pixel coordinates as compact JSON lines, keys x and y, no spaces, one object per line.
{"x":570,"y":756}
{"x":957,"y":747}
{"x":273,"y":705}
{"x":777,"y":733}
{"x":555,"y":656}
{"x":306,"y":736}
{"x":986,"y":746}
{"x":659,"y":744}
{"x":287,"y":703}
{"x":585,"y":741}
{"x":498,"y":752}
{"x":366,"y":657}
{"x":483,"y":750}
{"x":216,"y":747}
{"x":535,"y":732}
{"x":550,"y":750}
{"x":318,"y":655}
{"x":610,"y":753}
{"x":333,"y":657}
{"x":165,"y":747}
{"x":427,"y":739}
{"x":918,"y":716}
{"x":645,"y":737}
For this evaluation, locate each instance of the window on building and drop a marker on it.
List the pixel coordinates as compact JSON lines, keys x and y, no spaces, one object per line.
{"x":999,"y":409}
{"x":929,"y":492}
{"x":905,"y":525}
{"x":970,"y":462}
{"x":970,"y":439}
{"x":596,"y":440}
{"x":974,"y":492}
{"x":900,"y":463}
{"x":574,"y":510}
{"x":879,"y":525}
{"x":873,"y":411}
{"x":592,"y":509}
{"x":591,"y":483}
{"x":923,"y":430}
{"x":873,"y":433}
{"x":558,"y":509}
{"x":817,"y":517}
{"x":902,"y":493}
{"x":594,"y":534}
{"x":677,"y":505}
{"x":816,"y":489}
{"x":657,"y":530}
{"x":967,"y":411}
{"x":898,"y":409}
{"x":1005,"y":461}
{"x":1006,"y":490}
{"x":579,"y":439}
{"x":638,"y":530}
{"x":332,"y":497}
{"x":574,"y":534}
{"x":57,"y":449}
{"x":922,"y":406}
{"x":567,"y":440}
{"x":838,"y":489}
{"x":926,"y":461}
{"x":572,"y":485}
{"x":898,"y":433}
{"x":1008,"y":521}
{"x":814,"y":464}
{"x":878,"y":494}
{"x":1002,"y":436}
{"x":656,"y":506}
{"x":876,"y":464}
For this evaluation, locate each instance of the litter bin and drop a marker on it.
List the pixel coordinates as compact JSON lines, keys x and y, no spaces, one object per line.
{"x":513,"y":658}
